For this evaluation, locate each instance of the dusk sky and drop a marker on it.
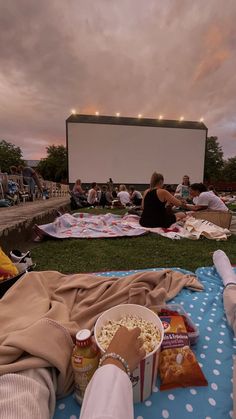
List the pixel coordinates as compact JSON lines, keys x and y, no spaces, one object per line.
{"x":169,"y":57}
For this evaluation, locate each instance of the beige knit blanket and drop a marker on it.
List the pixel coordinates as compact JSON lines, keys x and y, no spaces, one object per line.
{"x":42,"y":312}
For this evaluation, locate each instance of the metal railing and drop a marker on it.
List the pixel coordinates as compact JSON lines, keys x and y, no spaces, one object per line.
{"x":50,"y":189}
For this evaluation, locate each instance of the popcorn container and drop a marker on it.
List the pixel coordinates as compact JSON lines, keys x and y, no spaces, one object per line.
{"x":145,"y":375}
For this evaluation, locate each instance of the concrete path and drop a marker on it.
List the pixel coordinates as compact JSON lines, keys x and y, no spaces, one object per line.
{"x":11,"y":216}
{"x":17,"y":222}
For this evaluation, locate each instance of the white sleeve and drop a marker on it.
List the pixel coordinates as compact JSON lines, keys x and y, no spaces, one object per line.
{"x":28,"y":394}
{"x":109,"y":395}
{"x":203,"y":200}
{"x":179,"y":189}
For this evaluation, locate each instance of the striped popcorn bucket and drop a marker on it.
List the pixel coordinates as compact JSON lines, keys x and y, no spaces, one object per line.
{"x":145,"y":375}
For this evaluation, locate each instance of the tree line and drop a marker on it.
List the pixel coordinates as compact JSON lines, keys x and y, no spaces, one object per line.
{"x":216,"y":168}
{"x":54,"y":166}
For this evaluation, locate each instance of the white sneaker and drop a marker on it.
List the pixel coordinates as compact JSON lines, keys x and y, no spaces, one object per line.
{"x":21,"y":267}
{"x":18,"y":257}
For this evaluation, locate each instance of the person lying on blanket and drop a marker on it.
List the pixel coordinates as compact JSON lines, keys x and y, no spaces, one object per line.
{"x":110,"y":389}
{"x":157,"y":211}
{"x":119,"y":404}
{"x":36,"y":338}
{"x":225,"y":271}
{"x":204,"y":199}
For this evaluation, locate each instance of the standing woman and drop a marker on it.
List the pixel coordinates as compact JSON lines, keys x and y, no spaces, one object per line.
{"x":155,"y":199}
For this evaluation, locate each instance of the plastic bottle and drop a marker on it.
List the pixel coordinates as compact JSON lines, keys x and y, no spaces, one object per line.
{"x":85,"y":359}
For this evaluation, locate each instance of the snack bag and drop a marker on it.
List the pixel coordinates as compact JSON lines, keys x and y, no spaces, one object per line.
{"x":7,"y":268}
{"x":178,"y":365}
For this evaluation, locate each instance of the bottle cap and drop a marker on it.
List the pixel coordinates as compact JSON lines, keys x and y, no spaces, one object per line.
{"x":83,"y":337}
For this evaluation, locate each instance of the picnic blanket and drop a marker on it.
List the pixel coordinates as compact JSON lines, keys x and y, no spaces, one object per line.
{"x":193,"y":229}
{"x":214,"y":350}
{"x":84,"y":225}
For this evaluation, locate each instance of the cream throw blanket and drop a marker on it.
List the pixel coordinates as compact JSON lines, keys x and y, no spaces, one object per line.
{"x":43,"y":310}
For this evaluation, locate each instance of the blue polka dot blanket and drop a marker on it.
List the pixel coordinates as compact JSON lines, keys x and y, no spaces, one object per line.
{"x":214,"y":350}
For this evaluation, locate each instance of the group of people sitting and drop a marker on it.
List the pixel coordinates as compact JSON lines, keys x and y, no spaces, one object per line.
{"x":106,"y":196}
{"x":158,"y":203}
{"x":159,"y":206}
{"x":20,"y":183}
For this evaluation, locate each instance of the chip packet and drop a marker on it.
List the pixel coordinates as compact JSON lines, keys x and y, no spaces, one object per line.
{"x":178,"y":366}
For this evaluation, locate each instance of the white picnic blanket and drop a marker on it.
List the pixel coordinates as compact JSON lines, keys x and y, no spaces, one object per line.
{"x":193,"y":229}
{"x":83,"y":225}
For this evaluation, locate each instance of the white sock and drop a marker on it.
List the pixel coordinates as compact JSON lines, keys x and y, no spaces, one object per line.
{"x":223,"y":267}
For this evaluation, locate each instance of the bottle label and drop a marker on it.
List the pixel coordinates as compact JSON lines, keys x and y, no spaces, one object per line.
{"x":84,"y":367}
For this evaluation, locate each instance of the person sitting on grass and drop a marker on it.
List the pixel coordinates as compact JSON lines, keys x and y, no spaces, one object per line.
{"x":92,"y":195}
{"x":123,"y":196}
{"x":204,"y":199}
{"x":106,"y":197}
{"x":135,"y":196}
{"x":77,"y":188}
{"x":156,"y":211}
{"x":79,"y":193}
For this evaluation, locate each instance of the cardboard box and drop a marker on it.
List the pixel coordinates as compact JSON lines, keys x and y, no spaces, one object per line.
{"x":221,"y":219}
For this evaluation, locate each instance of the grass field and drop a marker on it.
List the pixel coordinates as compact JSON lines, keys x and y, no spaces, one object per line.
{"x":149,"y":251}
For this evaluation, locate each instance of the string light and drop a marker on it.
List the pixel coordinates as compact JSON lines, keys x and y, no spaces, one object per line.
{"x":160,"y":117}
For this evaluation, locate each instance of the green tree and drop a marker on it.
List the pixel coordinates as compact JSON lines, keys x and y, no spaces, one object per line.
{"x":10,"y":155}
{"x":229,"y":170}
{"x":54,"y":166}
{"x":213,"y":160}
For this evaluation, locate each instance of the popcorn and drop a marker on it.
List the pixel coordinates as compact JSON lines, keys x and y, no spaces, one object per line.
{"x":150,"y":334}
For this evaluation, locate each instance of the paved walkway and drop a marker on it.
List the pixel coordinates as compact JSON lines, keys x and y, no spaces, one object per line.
{"x":13,"y":216}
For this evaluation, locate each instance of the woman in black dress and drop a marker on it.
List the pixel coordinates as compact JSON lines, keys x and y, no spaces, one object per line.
{"x":157,"y":204}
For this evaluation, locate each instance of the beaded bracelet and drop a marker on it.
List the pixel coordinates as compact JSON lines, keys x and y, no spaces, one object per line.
{"x":119,"y":358}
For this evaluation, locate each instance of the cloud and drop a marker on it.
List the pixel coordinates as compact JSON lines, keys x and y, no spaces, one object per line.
{"x":217,"y":50}
{"x":172,"y":57}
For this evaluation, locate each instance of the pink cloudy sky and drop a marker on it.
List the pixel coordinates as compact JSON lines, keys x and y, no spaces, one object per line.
{"x":170,"y":57}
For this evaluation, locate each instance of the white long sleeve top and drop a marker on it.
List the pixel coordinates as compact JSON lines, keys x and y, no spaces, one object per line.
{"x":109,"y":395}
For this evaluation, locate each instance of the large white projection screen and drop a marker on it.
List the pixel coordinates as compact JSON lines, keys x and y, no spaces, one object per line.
{"x":130,"y":154}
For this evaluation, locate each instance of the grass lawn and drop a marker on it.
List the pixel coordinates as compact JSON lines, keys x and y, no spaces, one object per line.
{"x":149,"y":251}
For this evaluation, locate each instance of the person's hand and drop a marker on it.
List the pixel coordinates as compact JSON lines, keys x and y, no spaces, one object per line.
{"x":183,"y":203}
{"x":127,"y":344}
